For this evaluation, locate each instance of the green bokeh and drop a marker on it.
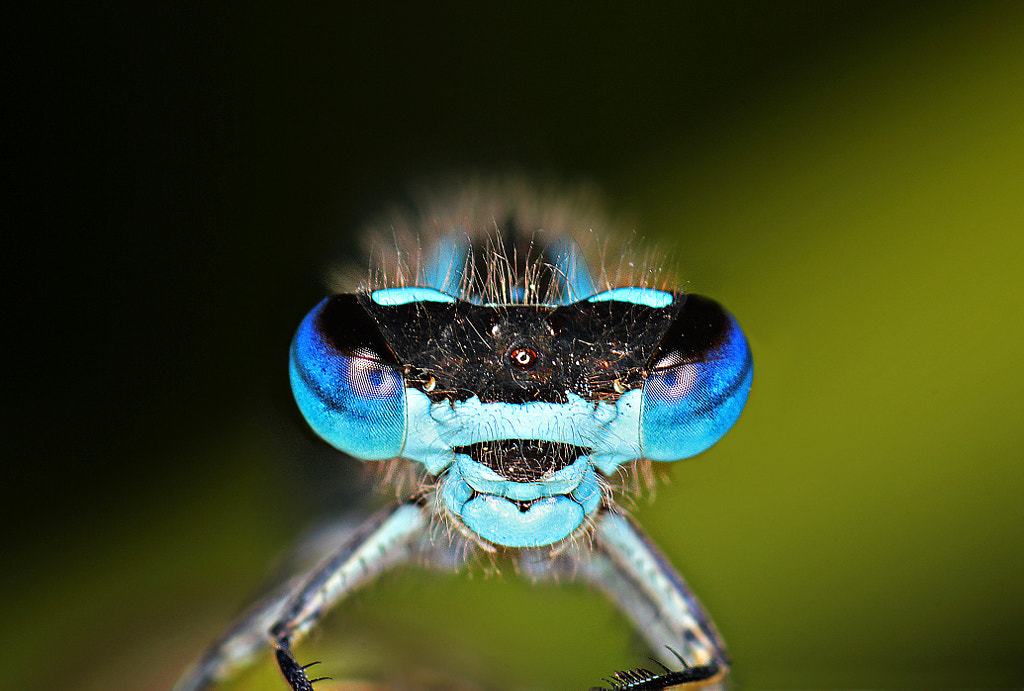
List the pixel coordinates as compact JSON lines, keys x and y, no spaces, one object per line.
{"x":863,"y":524}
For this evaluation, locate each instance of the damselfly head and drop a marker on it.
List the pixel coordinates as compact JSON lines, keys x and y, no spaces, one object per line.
{"x":519,"y":372}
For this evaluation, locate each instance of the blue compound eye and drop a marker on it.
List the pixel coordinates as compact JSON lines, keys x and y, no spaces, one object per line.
{"x":368,"y":378}
{"x":672,"y":380}
{"x":698,"y":382}
{"x":347,"y":382}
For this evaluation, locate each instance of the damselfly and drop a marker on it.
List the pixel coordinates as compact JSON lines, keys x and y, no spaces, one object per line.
{"x":514,"y":390}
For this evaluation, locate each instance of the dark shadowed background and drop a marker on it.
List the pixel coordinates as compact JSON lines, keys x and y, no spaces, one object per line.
{"x":847,"y":177}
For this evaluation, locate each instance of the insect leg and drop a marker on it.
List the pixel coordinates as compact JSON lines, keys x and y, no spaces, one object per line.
{"x":626,"y":565}
{"x":246,"y":638}
{"x":389,"y":537}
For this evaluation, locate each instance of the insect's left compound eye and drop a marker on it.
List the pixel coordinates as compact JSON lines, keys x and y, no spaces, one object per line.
{"x":698,"y":383}
{"x":346,"y":381}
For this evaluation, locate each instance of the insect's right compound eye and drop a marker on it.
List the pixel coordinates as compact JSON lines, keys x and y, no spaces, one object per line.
{"x":346,"y":380}
{"x":698,"y":383}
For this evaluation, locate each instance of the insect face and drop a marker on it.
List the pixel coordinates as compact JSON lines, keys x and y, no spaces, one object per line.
{"x":520,"y":410}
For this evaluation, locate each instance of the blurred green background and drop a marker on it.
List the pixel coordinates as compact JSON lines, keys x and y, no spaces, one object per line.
{"x":847,"y":177}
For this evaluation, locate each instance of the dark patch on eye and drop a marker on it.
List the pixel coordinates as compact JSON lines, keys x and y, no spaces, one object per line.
{"x":523,"y":460}
{"x":701,"y":326}
{"x":346,"y":327}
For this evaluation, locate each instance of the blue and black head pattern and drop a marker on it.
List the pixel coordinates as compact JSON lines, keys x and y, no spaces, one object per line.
{"x":520,"y":409}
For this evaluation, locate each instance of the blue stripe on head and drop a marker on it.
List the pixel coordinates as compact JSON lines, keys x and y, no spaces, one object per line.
{"x":389,"y":297}
{"x":571,"y":271}
{"x":636,"y":296}
{"x":446,"y":268}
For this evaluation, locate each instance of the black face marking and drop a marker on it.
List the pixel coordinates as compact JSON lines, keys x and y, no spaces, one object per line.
{"x":554,"y":324}
{"x":523,"y":460}
{"x":583,"y":348}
